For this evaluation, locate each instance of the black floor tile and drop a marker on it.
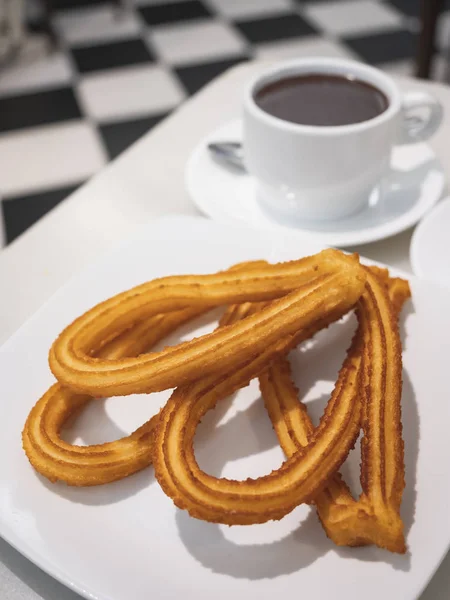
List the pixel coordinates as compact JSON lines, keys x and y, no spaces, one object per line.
{"x":40,"y":108}
{"x":118,"y":136}
{"x":21,"y":213}
{"x":384,"y":47}
{"x":171,"y":12}
{"x":63,"y":4}
{"x":38,"y":26}
{"x":195,"y":77}
{"x":411,"y":8}
{"x":111,"y":55}
{"x":275,"y":28}
{"x":315,"y":2}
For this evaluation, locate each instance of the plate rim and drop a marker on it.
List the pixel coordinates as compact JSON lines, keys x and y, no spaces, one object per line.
{"x":442,"y":205}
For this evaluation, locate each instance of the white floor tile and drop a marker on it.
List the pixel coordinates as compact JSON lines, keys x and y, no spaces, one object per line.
{"x":251,"y":9}
{"x":49,"y":156}
{"x":298,"y":49}
{"x":95,"y":24}
{"x":351,"y":17}
{"x":35,"y":68}
{"x":399,"y":67}
{"x":186,"y":43}
{"x":128,"y":92}
{"x":441,"y":68}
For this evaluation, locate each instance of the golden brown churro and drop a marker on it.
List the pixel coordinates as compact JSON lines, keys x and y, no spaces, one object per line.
{"x":273,"y":309}
{"x":368,"y":520}
{"x":101,"y":463}
{"x":308,"y":290}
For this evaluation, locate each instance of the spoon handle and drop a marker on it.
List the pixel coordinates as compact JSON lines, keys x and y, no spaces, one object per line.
{"x":231,"y":153}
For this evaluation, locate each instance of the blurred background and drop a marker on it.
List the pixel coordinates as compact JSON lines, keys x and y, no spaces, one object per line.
{"x":81,"y":80}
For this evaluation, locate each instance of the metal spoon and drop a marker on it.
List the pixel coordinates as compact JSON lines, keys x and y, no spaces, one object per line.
{"x":230,"y":153}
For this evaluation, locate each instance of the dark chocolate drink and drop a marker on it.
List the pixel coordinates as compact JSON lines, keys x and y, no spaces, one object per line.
{"x":321,"y":100}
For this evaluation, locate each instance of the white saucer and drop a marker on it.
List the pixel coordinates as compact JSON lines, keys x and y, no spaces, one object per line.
{"x":430,"y":245}
{"x":414,"y":186}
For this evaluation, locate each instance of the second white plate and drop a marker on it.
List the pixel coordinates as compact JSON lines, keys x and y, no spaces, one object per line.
{"x":430,"y":245}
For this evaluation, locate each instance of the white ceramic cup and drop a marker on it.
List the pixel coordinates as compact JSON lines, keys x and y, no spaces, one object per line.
{"x":309,"y":172}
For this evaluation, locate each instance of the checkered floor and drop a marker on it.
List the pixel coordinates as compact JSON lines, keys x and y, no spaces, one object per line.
{"x":65,"y":114}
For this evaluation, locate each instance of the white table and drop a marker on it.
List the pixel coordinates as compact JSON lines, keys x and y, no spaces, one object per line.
{"x":143,"y":183}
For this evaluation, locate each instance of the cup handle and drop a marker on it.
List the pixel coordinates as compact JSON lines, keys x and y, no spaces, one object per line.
{"x":422,"y":115}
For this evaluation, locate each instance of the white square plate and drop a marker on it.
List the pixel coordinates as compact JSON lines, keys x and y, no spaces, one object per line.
{"x":127,"y":540}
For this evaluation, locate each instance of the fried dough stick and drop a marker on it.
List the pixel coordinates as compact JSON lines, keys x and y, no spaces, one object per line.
{"x":299,"y":479}
{"x":97,"y":464}
{"x":336,"y":278}
{"x":374,"y":518}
